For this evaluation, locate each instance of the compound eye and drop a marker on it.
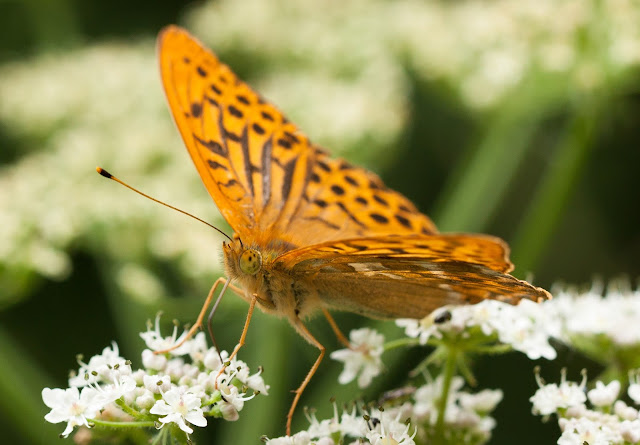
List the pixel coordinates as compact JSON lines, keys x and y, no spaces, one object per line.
{"x":250,"y":261}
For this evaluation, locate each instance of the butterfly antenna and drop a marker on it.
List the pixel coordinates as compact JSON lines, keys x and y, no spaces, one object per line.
{"x":108,"y":175}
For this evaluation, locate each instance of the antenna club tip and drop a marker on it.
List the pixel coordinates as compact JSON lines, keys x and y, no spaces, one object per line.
{"x":103,"y":172}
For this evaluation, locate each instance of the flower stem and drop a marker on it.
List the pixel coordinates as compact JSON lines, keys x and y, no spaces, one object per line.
{"x":447,"y":376}
{"x":127,"y":409}
{"x":110,"y":424}
{"x":551,"y":198}
{"x":400,"y":343}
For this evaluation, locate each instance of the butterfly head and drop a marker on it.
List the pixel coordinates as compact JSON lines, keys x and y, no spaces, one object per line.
{"x":250,"y":261}
{"x":241,"y":260}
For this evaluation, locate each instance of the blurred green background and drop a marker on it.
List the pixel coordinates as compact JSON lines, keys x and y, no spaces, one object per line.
{"x":519,"y":119}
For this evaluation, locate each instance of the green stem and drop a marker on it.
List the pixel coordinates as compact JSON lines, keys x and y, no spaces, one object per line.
{"x":547,"y":206}
{"x":21,"y":383}
{"x":477,"y":187}
{"x":110,"y":424}
{"x":448,"y":373}
{"x":160,"y":437}
{"x":127,"y":409}
{"x":400,"y":343}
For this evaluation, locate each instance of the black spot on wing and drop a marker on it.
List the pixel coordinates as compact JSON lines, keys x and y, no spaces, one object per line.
{"x":258,"y":128}
{"x":235,"y":112}
{"x":380,"y":200}
{"x":324,"y":166}
{"x":243,"y":99}
{"x":403,"y":221}
{"x":196,"y":110}
{"x":338,"y":190}
{"x":216,"y":165}
{"x":201,"y":71}
{"x":350,"y":180}
{"x":215,"y":89}
{"x":379,"y":218}
{"x":292,"y":137}
{"x":213,"y":146}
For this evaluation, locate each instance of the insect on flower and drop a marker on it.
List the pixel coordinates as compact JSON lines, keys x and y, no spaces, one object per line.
{"x":312,"y":233}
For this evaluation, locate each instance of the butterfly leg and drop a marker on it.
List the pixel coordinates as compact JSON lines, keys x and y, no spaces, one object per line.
{"x":252,"y":305}
{"x":203,"y":311}
{"x":304,"y":332}
{"x":341,"y":338}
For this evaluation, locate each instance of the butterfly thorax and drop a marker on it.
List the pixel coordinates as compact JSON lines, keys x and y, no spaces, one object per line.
{"x":251,"y":266}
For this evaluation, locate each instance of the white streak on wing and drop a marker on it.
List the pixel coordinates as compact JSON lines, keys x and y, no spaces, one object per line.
{"x":390,"y":275}
{"x":367,"y":267}
{"x":373,"y":270}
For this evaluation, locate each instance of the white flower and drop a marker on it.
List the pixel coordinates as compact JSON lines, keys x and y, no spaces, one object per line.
{"x":157,"y":362}
{"x":179,"y":408}
{"x":604,"y":395}
{"x":526,"y":327}
{"x":232,"y":399}
{"x":421,"y":329}
{"x":103,"y":367}
{"x":198,"y":347}
{"x":157,"y":384}
{"x":582,"y":430}
{"x":156,"y":342}
{"x":624,"y":411}
{"x":326,"y":427}
{"x":634,"y":387}
{"x":589,"y":313}
{"x":426,"y":399}
{"x":630,"y":430}
{"x":146,"y":400}
{"x":484,"y":401}
{"x":301,"y":438}
{"x":362,"y":358}
{"x":389,"y":430}
{"x":211,"y":359}
{"x":122,"y":386}
{"x":71,"y":406}
{"x":549,"y":398}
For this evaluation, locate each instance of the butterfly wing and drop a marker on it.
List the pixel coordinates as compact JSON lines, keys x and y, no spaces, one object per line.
{"x":268,"y":180}
{"x":407,"y":276}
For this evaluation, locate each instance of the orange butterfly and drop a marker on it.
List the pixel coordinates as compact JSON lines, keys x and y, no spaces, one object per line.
{"x":315,"y":233}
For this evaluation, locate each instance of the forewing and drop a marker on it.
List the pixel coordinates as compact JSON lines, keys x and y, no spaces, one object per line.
{"x":268,"y":180}
{"x":408,"y":277}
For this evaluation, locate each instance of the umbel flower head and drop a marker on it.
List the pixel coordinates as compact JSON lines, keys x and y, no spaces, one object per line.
{"x":604,"y":420}
{"x":181,"y":388}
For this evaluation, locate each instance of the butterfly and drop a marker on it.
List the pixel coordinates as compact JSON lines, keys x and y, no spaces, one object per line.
{"x":313,"y":233}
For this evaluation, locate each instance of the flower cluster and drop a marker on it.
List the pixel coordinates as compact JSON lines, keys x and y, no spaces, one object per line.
{"x":505,"y":45}
{"x":404,"y":415}
{"x":602,"y":327}
{"x":607,"y":420}
{"x":363,"y":358}
{"x":526,"y":327}
{"x":182,"y":387}
{"x":374,"y":426}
